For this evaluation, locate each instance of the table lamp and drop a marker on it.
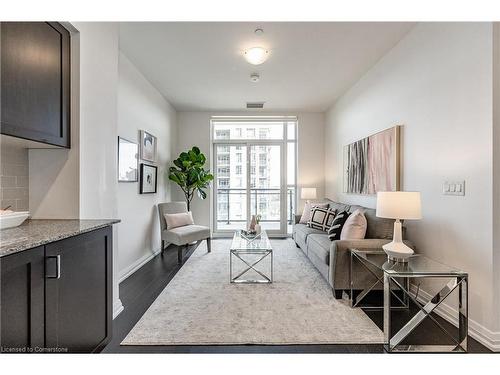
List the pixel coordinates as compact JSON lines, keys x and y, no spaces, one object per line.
{"x":308,"y":193}
{"x":399,"y":205}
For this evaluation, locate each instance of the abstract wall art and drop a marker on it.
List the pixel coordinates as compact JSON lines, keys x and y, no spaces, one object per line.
{"x":372,"y":164}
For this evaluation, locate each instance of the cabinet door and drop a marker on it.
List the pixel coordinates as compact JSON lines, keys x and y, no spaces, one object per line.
{"x":22,"y":300}
{"x":35,"y":81}
{"x":78,"y":282}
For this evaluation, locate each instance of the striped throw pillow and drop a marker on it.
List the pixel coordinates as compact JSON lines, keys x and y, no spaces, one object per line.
{"x":338,"y":223}
{"x":321,"y":218}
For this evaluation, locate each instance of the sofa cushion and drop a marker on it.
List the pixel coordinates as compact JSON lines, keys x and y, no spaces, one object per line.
{"x":319,"y":245}
{"x":304,"y":230}
{"x":339,"y":206}
{"x":378,"y":227}
{"x":355,"y":226}
{"x":307,"y":212}
{"x":321,"y":218}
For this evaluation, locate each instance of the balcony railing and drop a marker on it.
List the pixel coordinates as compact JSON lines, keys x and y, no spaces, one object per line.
{"x":254,"y":194}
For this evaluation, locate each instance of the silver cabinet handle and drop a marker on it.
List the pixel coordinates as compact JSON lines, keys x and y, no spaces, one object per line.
{"x":58,"y":266}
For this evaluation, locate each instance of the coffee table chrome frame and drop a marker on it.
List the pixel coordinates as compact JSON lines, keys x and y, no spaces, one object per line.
{"x":237,"y":253}
{"x":392,"y":343}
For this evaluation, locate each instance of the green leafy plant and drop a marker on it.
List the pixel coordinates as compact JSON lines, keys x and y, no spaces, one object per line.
{"x":189,"y":173}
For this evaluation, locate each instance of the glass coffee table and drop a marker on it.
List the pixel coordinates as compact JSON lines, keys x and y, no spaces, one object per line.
{"x":259,"y":248}
{"x":400,"y":276}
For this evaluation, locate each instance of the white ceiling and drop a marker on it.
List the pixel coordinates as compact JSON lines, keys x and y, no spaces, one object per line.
{"x":199,"y":66}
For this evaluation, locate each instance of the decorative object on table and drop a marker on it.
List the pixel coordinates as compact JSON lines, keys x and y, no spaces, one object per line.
{"x":190,"y":175}
{"x":127,"y":160}
{"x":308,"y":193}
{"x":253,"y":222}
{"x":308,"y":207}
{"x":148,"y":179}
{"x":355,"y":226}
{"x":258,"y":228}
{"x":11,"y":219}
{"x":148,"y":146}
{"x":321,"y":218}
{"x":338,"y":223}
{"x":398,"y":205}
{"x":372,"y":164}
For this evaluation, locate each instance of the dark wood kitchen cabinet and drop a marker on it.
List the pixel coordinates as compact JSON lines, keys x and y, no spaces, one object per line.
{"x":35,"y":81}
{"x":22,"y":300}
{"x":58,"y":297}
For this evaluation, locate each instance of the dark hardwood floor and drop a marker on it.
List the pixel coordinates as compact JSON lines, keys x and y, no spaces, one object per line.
{"x":140,"y":290}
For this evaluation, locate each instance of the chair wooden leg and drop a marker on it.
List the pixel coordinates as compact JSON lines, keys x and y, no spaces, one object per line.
{"x":209,"y":244}
{"x":179,"y":254}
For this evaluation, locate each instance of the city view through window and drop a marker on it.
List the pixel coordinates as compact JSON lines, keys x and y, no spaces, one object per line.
{"x":251,"y":177}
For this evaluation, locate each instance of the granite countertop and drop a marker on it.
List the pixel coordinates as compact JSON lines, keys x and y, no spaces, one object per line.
{"x":34,"y":233}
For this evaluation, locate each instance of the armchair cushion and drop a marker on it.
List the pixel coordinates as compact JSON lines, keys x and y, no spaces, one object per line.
{"x":186,"y":234}
{"x":179,"y":219}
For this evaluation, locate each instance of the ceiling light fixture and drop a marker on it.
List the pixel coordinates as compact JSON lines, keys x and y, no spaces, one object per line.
{"x":259,"y":31}
{"x":256,"y":55}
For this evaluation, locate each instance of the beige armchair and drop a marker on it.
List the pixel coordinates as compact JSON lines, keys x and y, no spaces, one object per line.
{"x":180,"y":236}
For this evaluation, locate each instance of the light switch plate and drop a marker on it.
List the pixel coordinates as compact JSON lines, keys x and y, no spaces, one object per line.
{"x":454,"y":188}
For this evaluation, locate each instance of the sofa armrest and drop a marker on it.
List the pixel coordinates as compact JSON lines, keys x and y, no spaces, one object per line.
{"x":297,"y":218}
{"x":340,"y":258}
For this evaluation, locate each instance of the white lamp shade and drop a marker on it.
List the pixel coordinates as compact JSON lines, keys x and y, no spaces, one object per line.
{"x":308,"y":193}
{"x":399,"y":205}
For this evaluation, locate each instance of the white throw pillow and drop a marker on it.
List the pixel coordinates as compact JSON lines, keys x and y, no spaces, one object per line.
{"x":306,"y":214}
{"x":179,"y":220}
{"x":354,"y":227}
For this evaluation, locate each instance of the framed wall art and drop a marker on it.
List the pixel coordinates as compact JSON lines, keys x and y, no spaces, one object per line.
{"x":148,"y":146}
{"x":148,"y":181}
{"x":127,"y":160}
{"x":372,"y":164}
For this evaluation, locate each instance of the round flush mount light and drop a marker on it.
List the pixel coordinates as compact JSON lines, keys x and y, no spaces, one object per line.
{"x":255,"y":77}
{"x":256,"y":55}
{"x":259,"y":31}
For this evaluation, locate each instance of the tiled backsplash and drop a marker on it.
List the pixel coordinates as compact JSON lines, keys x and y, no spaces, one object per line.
{"x":14,"y":178}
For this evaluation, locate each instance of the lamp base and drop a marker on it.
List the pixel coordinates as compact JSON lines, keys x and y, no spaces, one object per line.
{"x":397,"y":252}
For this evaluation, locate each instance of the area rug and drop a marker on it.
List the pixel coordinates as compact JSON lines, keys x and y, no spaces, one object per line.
{"x":200,"y":307}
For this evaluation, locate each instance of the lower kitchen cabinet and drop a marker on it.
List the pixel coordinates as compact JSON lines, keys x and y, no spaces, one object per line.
{"x":22,"y":300}
{"x":59,"y":297}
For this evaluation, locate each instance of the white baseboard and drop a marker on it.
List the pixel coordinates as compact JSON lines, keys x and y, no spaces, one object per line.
{"x":117,"y":308}
{"x":480,"y":333}
{"x":137,"y":264}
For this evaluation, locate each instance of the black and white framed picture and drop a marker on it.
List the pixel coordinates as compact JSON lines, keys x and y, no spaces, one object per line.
{"x":148,"y":146}
{"x":127,"y":160}
{"x":148,"y":179}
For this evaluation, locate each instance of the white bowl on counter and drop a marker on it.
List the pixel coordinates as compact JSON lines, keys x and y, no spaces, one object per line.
{"x":13,"y":219}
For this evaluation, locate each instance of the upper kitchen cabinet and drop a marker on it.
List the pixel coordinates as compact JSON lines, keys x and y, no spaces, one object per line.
{"x":35,"y":82}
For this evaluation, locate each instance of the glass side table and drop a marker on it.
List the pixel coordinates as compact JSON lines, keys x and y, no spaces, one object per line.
{"x":397,"y":276}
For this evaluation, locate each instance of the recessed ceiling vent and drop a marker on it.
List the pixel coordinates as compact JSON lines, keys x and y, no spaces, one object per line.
{"x":257,"y":105}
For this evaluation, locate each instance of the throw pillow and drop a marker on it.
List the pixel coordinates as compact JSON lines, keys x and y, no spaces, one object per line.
{"x":336,"y":228}
{"x":179,"y":220}
{"x":355,"y":226}
{"x":321,"y":218}
{"x":306,"y":214}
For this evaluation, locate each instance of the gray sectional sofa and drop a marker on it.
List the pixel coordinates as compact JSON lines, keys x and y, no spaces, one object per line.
{"x":332,"y":258}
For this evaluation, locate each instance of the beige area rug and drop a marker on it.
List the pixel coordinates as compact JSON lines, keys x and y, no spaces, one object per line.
{"x":200,"y":307}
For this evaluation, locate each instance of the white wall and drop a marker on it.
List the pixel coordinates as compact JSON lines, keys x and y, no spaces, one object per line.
{"x":141,"y":106}
{"x":98,"y":81}
{"x":437,"y":83}
{"x":194,"y":130}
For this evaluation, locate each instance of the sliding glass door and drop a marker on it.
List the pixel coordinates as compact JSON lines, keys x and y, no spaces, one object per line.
{"x":252,"y":176}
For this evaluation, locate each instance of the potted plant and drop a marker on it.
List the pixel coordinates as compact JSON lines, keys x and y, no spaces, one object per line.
{"x":189,"y":173}
{"x":257,"y":224}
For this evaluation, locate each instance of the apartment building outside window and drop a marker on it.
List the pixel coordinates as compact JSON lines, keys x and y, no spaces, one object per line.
{"x":260,"y":154}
